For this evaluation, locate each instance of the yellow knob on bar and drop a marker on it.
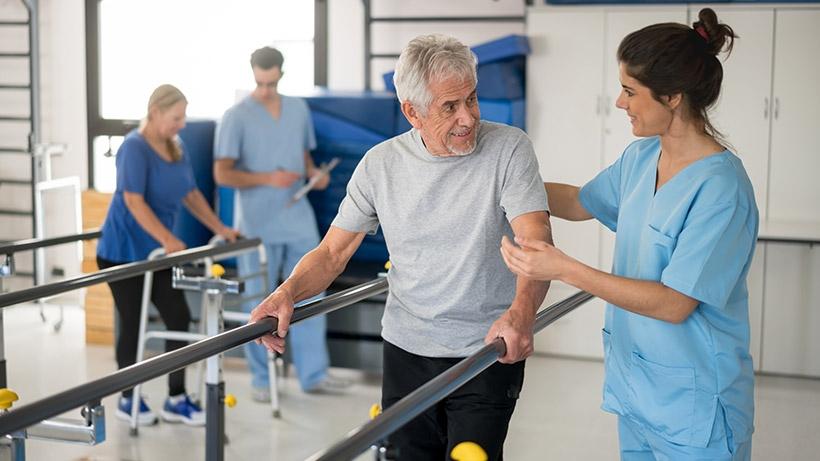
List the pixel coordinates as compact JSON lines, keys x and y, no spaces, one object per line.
{"x":230,"y":400}
{"x":468,"y":451}
{"x":375,"y":410}
{"x":388,"y":265}
{"x":7,"y":398}
{"x":217,"y":270}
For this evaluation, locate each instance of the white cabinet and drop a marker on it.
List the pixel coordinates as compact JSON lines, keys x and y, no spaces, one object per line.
{"x":791,"y":310}
{"x":794,"y":191}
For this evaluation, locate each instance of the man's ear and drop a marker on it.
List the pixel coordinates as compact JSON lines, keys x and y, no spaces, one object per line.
{"x":411,"y":114}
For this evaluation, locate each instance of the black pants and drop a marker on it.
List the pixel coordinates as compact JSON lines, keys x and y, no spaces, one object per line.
{"x":479,"y":411}
{"x":171,"y":306}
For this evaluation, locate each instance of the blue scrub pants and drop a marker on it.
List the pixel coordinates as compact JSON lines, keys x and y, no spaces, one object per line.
{"x":641,"y":444}
{"x":306,"y":340}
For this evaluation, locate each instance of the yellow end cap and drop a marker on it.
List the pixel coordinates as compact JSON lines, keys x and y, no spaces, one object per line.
{"x":7,"y":398}
{"x":217,"y":270}
{"x":375,"y":410}
{"x":230,"y":400}
{"x":388,"y":265}
{"x":468,"y":451}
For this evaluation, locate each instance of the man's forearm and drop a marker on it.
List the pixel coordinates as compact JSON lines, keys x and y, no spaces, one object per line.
{"x":313,"y":274}
{"x":239,"y":179}
{"x":529,"y":294}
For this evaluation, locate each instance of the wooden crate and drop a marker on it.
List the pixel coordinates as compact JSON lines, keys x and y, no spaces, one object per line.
{"x":99,"y":305}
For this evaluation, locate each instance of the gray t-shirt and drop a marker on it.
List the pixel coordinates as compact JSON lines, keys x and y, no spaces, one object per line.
{"x":443,"y":218}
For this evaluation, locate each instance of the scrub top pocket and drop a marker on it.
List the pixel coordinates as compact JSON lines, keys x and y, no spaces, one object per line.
{"x":655,"y":252}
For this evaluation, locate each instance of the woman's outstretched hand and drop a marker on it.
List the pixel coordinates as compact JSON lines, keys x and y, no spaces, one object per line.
{"x":534,"y":259}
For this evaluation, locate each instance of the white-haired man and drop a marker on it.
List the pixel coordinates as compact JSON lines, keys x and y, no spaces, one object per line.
{"x":445,"y":193}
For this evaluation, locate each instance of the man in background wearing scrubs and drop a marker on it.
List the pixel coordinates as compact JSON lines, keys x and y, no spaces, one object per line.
{"x":676,"y":335}
{"x":262,"y":149}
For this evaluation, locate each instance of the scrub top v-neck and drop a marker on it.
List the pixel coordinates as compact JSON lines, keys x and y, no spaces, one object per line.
{"x":696,"y":234}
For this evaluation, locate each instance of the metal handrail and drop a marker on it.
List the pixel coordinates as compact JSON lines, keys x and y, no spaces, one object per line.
{"x":417,"y":402}
{"x":123,"y":271}
{"x":127,"y":378}
{"x":34,"y":243}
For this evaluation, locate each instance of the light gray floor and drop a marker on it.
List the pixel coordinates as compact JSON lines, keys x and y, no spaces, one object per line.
{"x":557,"y":417}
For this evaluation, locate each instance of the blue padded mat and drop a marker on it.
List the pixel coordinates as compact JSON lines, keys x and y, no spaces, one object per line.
{"x":510,"y":112}
{"x":367,"y":109}
{"x":198,"y":138}
{"x":331,"y":128}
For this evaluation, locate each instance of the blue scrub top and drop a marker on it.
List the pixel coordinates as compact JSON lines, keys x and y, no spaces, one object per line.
{"x":697,"y":236}
{"x":259,"y":143}
{"x":162,"y":185}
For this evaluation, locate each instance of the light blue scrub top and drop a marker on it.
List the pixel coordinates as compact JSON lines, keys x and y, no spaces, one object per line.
{"x":697,"y":236}
{"x":260,"y":143}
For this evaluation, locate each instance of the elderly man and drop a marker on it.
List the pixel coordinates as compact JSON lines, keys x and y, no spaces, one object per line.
{"x":445,"y":193}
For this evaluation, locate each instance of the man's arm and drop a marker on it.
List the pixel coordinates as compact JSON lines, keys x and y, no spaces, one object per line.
{"x":226,"y":174}
{"x":516,"y":324}
{"x":312,"y":275}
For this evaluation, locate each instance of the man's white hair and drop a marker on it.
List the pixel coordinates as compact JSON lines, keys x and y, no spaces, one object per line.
{"x":429,"y":58}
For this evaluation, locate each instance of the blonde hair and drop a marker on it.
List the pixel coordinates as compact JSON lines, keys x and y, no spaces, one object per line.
{"x":163,"y":98}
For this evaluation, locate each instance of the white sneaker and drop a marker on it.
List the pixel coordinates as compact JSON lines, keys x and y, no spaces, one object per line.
{"x":330,"y":385}
{"x":261,"y":394}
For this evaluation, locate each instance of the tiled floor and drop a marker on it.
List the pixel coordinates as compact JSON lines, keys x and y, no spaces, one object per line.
{"x":557,"y":417}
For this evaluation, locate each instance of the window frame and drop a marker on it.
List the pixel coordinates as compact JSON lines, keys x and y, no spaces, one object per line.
{"x":100,"y":126}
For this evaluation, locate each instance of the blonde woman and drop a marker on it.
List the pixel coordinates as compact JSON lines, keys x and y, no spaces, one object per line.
{"x":154,"y":178}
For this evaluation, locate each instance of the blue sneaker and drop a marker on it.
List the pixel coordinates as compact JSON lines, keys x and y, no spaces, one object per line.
{"x":145,"y":417}
{"x":180,"y":409}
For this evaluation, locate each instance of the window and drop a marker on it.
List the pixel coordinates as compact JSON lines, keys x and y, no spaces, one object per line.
{"x":201,"y":46}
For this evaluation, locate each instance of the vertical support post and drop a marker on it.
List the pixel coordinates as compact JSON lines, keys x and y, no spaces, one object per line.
{"x":368,"y":46}
{"x":12,"y":448}
{"x":215,"y":405}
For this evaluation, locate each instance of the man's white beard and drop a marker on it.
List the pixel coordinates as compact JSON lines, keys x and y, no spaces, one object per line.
{"x":470,"y":149}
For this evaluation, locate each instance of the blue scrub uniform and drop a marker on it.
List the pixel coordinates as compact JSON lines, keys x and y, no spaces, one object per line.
{"x":680,"y":389}
{"x":259,"y":143}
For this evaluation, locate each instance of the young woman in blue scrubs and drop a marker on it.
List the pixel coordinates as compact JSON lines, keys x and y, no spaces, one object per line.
{"x":154,"y":179}
{"x":676,"y":334}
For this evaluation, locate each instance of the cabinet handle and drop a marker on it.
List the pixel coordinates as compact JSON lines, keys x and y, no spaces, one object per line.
{"x":606,"y":105}
{"x":766,"y":107}
{"x":598,"y":104}
{"x":776,"y":108}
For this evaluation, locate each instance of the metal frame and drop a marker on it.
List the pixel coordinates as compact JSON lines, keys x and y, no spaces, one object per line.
{"x":99,"y":126}
{"x":362,"y":438}
{"x":124,"y":271}
{"x":368,"y":38}
{"x":25,"y":416}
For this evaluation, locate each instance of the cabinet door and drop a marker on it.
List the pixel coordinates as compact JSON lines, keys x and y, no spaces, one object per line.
{"x":617,"y":129}
{"x":743,"y":111}
{"x":794,"y":191}
{"x":791,"y":309}
{"x":563,"y":84}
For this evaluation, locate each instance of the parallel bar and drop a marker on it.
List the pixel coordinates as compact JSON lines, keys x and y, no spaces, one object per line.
{"x":11,"y":86}
{"x":31,"y":244}
{"x":14,"y":55}
{"x":14,"y":118}
{"x":448,"y":19}
{"x":127,"y":378}
{"x":361,"y":438}
{"x":21,"y":22}
{"x":384,"y":55}
{"x":124,"y":271}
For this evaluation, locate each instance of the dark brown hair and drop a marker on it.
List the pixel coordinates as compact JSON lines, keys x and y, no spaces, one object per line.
{"x":673,"y":58}
{"x":267,"y":58}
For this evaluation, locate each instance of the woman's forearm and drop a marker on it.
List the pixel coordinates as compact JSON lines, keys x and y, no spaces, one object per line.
{"x":199,"y":207}
{"x":564,"y":202}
